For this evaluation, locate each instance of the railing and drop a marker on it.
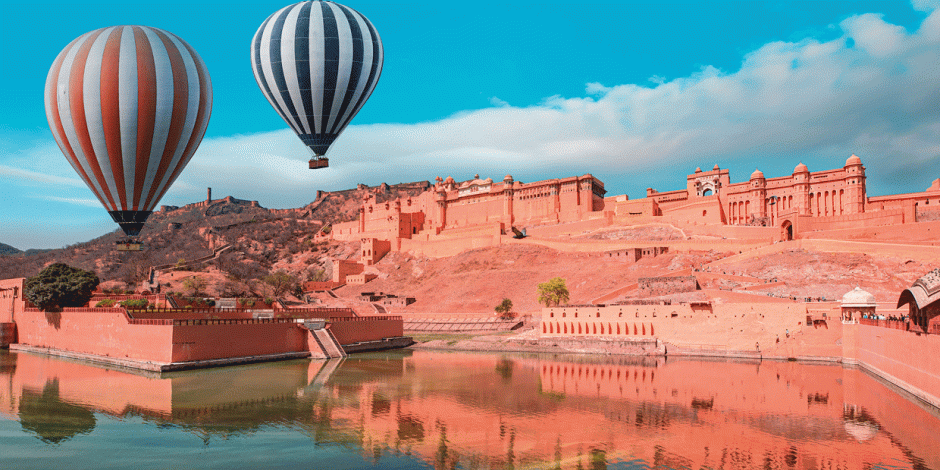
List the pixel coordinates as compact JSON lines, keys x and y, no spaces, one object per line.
{"x":119,"y":297}
{"x":82,"y":309}
{"x":149,"y":321}
{"x":234,"y":321}
{"x":216,"y":310}
{"x":371,"y":317}
{"x":894,"y":324}
{"x":318,"y":312}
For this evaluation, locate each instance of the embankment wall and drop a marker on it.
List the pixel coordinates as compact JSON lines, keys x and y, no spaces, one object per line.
{"x":112,"y":333}
{"x":11,"y":299}
{"x":104,"y":332}
{"x":908,"y":360}
{"x":359,"y":329}
{"x":203,"y":342}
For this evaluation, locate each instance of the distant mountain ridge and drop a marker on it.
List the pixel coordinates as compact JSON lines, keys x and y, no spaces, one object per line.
{"x":9,"y":250}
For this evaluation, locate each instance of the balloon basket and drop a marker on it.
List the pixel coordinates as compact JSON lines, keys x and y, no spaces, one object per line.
{"x":316,"y":163}
{"x":128,"y":245}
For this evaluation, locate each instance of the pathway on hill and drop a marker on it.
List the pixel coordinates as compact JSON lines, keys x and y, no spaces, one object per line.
{"x":215,"y":255}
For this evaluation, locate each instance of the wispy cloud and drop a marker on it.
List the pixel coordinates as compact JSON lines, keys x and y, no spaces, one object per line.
{"x":69,"y":200}
{"x":874,"y":91}
{"x":22,"y":175}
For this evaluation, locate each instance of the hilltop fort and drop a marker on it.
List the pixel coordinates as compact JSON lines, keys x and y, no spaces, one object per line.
{"x":450,"y":216}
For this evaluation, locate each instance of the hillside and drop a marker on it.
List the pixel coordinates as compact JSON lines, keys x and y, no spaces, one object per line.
{"x":237,"y":242}
{"x":8,"y":250}
{"x":259,"y":237}
{"x":476,"y":281}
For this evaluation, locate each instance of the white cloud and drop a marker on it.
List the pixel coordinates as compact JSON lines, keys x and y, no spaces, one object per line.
{"x":926,"y":5}
{"x":70,"y":200}
{"x":26,"y":175}
{"x":873,"y":91}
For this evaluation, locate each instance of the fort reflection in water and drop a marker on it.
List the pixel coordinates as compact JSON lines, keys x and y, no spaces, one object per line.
{"x":418,"y":409}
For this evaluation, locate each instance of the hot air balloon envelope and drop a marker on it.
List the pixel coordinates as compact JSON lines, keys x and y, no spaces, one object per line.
{"x":317,"y":64}
{"x":128,"y":106}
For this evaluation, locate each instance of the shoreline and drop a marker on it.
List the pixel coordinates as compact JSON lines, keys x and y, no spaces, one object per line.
{"x":529,"y":342}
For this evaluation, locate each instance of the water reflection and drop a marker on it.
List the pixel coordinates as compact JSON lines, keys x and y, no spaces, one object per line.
{"x":479,"y":411}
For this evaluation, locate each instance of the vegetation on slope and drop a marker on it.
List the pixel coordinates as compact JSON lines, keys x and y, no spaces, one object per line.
{"x":8,"y":250}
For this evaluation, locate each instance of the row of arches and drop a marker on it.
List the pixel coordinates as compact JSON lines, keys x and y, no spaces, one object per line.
{"x":821,"y":204}
{"x":739,"y":211}
{"x":826,"y":203}
{"x":597,"y":372}
{"x":598,"y":328}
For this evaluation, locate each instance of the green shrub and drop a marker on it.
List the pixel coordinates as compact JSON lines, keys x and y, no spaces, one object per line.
{"x":269,"y":301}
{"x":60,"y":285}
{"x":135,"y":304}
{"x":553,"y":293}
{"x":504,"y":309}
{"x":105,"y":303}
{"x":246,"y":302}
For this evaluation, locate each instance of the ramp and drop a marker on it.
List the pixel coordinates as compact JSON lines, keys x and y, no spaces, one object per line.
{"x":327,"y":344}
{"x":331,"y":347}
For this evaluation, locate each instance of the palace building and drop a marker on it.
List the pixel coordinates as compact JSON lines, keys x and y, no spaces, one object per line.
{"x":452,"y":216}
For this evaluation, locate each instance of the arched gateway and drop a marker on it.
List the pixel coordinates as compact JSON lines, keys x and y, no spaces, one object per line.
{"x":786,"y":231}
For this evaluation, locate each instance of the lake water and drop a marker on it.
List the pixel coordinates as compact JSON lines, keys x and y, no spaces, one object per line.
{"x":420,"y":409}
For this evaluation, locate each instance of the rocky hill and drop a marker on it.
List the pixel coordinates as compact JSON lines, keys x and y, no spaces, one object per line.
{"x":232,"y":243}
{"x":257,"y":238}
{"x":8,"y":250}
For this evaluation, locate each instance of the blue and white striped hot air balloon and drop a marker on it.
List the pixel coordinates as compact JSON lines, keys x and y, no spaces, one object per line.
{"x":317,"y":63}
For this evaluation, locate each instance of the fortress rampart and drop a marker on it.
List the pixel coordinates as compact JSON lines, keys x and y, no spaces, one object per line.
{"x":450,"y":216}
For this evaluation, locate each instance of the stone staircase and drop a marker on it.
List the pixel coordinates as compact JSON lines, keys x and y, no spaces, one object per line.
{"x":327,"y":345}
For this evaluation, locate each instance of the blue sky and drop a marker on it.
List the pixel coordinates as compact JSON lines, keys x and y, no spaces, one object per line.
{"x":636,"y":93}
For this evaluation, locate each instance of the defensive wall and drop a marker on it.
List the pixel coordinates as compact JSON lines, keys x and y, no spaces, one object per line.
{"x":450,"y":217}
{"x":773,"y":330}
{"x":903,"y":358}
{"x":169,"y":339}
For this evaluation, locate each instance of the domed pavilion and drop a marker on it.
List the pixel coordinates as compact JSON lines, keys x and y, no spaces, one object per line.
{"x":856,"y":303}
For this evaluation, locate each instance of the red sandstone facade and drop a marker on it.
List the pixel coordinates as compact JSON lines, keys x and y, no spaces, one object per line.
{"x":450,"y":217}
{"x":452,"y":207}
{"x":168,"y":339}
{"x":801,"y":202}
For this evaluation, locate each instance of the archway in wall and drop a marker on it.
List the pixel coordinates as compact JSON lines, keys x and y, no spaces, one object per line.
{"x":786,"y":231}
{"x":707,"y":192}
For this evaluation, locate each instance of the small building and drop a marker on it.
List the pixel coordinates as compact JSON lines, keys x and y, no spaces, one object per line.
{"x":633,"y":255}
{"x":395,"y":301}
{"x":856,"y":303}
{"x":922,"y":301}
{"x":359,"y":279}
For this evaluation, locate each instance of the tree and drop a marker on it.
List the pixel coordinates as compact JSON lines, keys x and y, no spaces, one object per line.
{"x":195,"y":285}
{"x":504,"y":309}
{"x":317,"y":275}
{"x":60,"y":285}
{"x":280,"y":282}
{"x":553,"y":293}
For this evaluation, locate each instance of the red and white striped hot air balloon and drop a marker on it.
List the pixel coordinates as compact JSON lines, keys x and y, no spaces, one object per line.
{"x":128,"y":106}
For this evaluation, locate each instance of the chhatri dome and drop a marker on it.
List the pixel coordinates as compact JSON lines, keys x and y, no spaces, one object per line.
{"x":801,"y":168}
{"x":853,"y":160}
{"x":858,"y":298}
{"x":757,"y":174}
